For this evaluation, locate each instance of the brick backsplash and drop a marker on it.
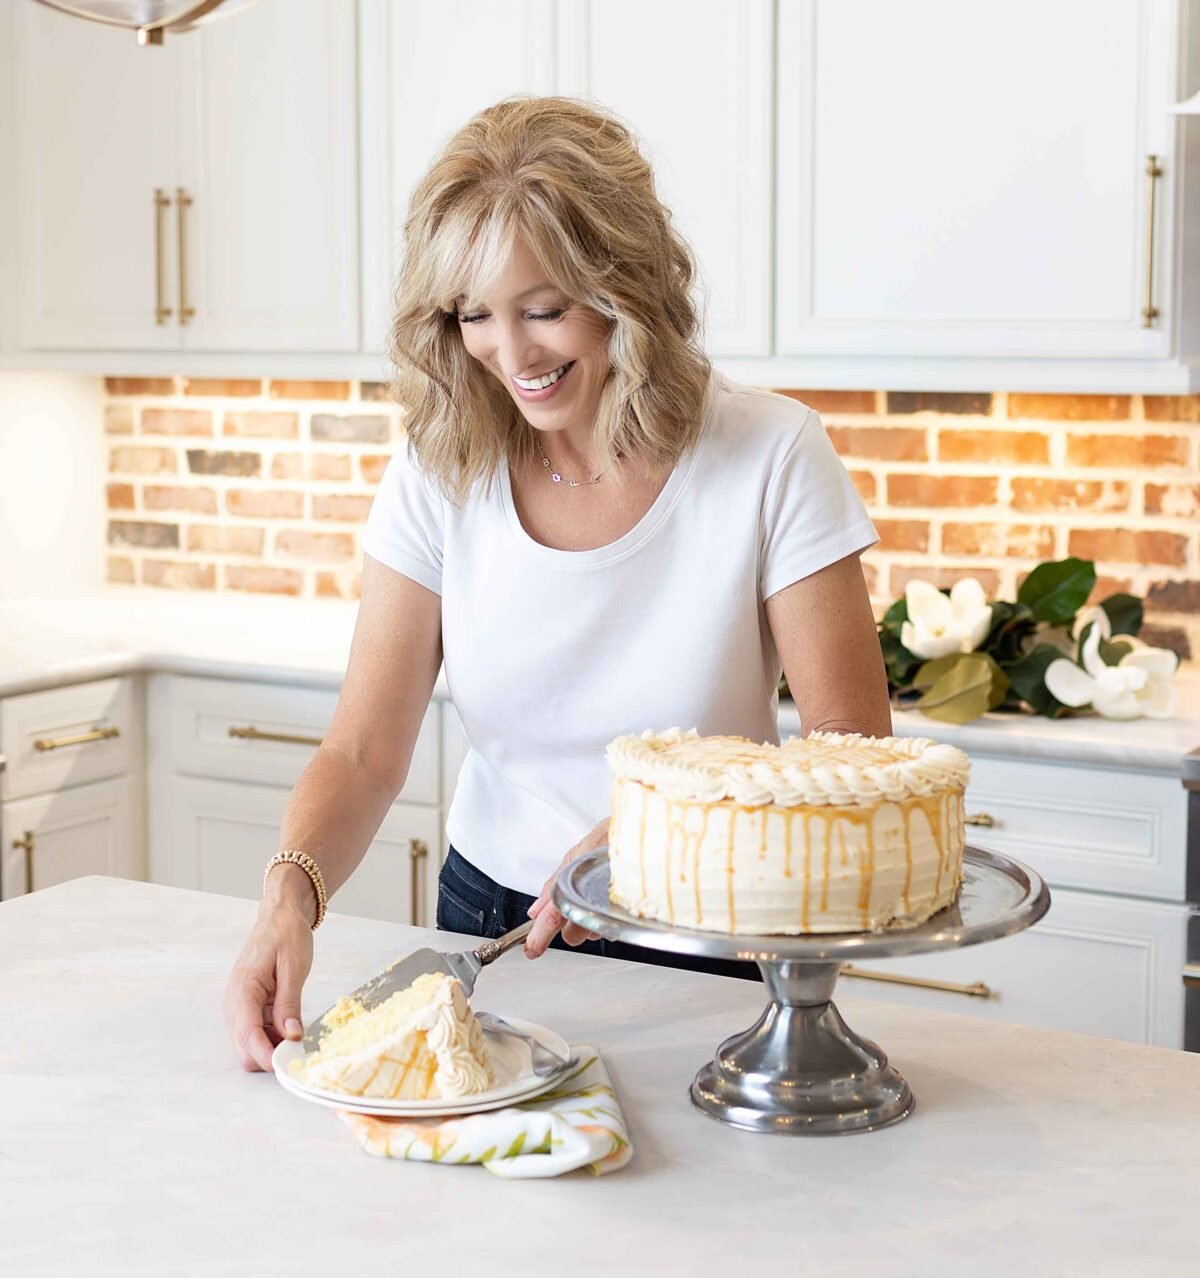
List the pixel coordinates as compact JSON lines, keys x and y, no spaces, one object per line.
{"x":263,"y":486}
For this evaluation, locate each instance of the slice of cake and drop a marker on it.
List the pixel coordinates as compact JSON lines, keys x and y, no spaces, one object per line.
{"x":828,"y":833}
{"x":423,"y":1043}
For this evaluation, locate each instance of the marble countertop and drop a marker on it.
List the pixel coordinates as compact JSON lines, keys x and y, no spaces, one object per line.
{"x":132,"y":1143}
{"x":120,"y":629}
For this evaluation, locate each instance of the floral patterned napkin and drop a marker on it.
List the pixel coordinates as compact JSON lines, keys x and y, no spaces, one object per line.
{"x":578,"y":1123}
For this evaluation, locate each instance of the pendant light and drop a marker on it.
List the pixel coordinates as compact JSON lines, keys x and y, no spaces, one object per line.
{"x":151,"y":19}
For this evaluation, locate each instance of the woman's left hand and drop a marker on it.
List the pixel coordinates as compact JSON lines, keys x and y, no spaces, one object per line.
{"x":549,"y":921}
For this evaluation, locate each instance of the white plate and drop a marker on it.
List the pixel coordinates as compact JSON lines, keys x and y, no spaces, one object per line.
{"x":511,"y":1066}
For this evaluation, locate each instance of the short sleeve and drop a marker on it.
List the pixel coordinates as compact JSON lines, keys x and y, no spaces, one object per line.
{"x":812,"y":514}
{"x":404,"y":528}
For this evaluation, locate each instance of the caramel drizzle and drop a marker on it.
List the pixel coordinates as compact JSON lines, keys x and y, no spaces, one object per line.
{"x":908,"y":865}
{"x":728,"y":870}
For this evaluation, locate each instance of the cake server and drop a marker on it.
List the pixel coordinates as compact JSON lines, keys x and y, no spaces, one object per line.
{"x":465,"y":965}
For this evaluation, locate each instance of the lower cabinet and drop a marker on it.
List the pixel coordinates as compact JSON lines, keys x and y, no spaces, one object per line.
{"x":89,"y":829}
{"x":1094,"y":964}
{"x":221,"y":834}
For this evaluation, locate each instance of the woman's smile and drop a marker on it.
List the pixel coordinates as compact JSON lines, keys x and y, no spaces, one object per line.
{"x":534,"y":390}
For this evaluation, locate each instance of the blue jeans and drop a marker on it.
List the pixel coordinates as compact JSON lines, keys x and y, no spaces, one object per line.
{"x":471,"y":902}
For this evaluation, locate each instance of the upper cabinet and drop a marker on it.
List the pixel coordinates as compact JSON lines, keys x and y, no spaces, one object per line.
{"x":930,"y":195}
{"x":198,"y":196}
{"x":958,"y":180}
{"x":695,"y":86}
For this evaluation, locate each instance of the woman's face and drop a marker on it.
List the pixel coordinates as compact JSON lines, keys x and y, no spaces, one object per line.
{"x":526,"y":329}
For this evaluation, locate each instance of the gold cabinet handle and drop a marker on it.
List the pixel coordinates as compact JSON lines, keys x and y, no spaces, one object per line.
{"x":250,"y":733}
{"x":162,"y":202}
{"x":183,"y":202}
{"x":980,"y":818}
{"x":56,"y":743}
{"x":1154,"y":171}
{"x":1191,"y":974}
{"x":27,"y":844}
{"x":977,"y":989}
{"x":418,"y":851}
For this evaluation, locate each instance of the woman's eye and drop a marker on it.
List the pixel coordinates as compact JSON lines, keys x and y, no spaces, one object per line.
{"x":468,"y":319}
{"x":548,"y":315}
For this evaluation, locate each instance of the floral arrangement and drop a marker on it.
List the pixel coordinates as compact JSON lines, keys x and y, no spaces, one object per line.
{"x":954,"y":655}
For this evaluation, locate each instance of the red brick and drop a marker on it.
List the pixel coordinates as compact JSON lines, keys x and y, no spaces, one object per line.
{"x":1070,"y":494}
{"x":338,"y":585}
{"x":173,"y":575}
{"x":259,"y":579}
{"x":1127,"y":450}
{"x":225,"y":388}
{"x":1180,"y":500}
{"x":347,"y":508}
{"x":250,"y":425}
{"x":118,"y":419}
{"x":252,"y":503}
{"x":143,"y":534}
{"x":353,"y":428}
{"x":1172,"y":408}
{"x":1174,"y":596}
{"x":375,"y":392}
{"x":140,"y":385}
{"x":298,"y":543}
{"x":937,"y":491}
{"x":1106,"y":586}
{"x":295,"y":389}
{"x":177,"y":421}
{"x":1070,"y":408}
{"x":225,"y":539}
{"x":1011,"y":446}
{"x":942,"y":576}
{"x":886,"y":443}
{"x":129,"y":459}
{"x":309,"y":465}
{"x":120,"y":571}
{"x":833,"y":401}
{"x":1129,"y":546}
{"x":1023,"y":541}
{"x":373,"y":465}
{"x":978,"y":404}
{"x":902,"y":534}
{"x":1173,"y":637}
{"x":201,"y":501}
{"x":121,"y":497}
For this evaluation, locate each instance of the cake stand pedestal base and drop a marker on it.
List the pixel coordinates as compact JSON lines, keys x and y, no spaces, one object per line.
{"x":800,"y":1068}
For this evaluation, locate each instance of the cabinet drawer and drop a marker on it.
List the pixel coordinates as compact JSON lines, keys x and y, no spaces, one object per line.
{"x":261,"y":732}
{"x":1094,"y":964}
{"x":67,"y":736}
{"x":1103,"y":829}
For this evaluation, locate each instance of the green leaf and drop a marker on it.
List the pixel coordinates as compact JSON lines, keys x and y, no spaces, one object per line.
{"x":895,"y":617}
{"x":1056,"y":591}
{"x":1027,"y":680}
{"x":1111,"y":653}
{"x":1012,"y":624}
{"x":1125,"y":613}
{"x":900,"y":663}
{"x":960,"y":687}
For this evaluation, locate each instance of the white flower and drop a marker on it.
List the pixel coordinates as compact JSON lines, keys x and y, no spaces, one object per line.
{"x":1139,"y":684}
{"x":938,"y":626}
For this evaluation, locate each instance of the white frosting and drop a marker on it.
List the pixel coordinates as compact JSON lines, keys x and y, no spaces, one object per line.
{"x":822,"y":768}
{"x":438,"y":1050}
{"x":831,"y":833}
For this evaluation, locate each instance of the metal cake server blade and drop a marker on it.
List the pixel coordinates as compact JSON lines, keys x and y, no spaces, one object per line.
{"x":465,"y":965}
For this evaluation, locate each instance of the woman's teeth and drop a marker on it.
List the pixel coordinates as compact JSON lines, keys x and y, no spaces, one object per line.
{"x":539,"y":383}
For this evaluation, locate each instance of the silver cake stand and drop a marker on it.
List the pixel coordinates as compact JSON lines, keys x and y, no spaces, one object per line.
{"x":800,"y":1069}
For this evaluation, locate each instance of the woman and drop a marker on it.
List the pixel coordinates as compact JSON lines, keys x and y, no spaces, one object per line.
{"x":595,"y":531}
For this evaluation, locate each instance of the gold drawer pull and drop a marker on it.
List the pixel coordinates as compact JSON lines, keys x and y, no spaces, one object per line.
{"x":253,"y":734}
{"x":183,"y":202}
{"x":57,"y":743}
{"x":1191,"y":974}
{"x":977,"y":989}
{"x":1154,"y":171}
{"x":27,"y":844}
{"x":162,"y":201}
{"x":418,"y":850}
{"x":980,"y":818}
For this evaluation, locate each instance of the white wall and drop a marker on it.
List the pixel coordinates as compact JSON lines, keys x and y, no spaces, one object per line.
{"x":51,"y":484}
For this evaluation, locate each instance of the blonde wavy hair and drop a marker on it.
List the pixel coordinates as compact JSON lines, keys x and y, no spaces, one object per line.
{"x":569,"y":178}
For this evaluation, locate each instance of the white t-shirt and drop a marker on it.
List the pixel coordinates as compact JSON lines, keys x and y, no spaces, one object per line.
{"x":550,"y":654}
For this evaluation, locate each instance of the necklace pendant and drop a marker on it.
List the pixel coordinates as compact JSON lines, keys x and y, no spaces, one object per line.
{"x":557,"y":478}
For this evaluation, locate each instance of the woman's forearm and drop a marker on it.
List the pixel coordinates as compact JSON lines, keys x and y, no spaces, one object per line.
{"x":334,"y":812}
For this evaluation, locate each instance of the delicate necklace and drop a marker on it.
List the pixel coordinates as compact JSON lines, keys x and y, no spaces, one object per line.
{"x":554,"y":475}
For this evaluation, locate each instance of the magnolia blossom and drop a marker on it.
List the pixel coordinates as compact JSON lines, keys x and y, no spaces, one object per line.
{"x":938,"y":626}
{"x":1139,"y":684}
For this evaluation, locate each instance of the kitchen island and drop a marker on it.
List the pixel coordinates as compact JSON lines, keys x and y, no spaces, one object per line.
{"x":132,"y":1143}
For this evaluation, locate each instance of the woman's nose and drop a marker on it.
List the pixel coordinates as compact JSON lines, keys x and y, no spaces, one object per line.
{"x":516,"y":353}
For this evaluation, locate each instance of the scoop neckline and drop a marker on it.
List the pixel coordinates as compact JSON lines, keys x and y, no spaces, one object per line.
{"x":645,"y":527}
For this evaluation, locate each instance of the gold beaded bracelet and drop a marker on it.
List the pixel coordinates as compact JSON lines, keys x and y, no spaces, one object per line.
{"x":293,"y":856}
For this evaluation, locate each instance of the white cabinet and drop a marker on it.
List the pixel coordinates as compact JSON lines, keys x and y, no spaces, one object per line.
{"x":198,"y":195}
{"x":225,"y":755}
{"x":958,"y":181}
{"x":694,"y":81}
{"x":71,"y":787}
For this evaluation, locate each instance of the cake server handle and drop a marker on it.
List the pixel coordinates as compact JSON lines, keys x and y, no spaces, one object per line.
{"x":490,"y":951}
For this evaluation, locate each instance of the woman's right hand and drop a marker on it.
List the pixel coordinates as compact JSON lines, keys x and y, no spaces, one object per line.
{"x":262,"y":995}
